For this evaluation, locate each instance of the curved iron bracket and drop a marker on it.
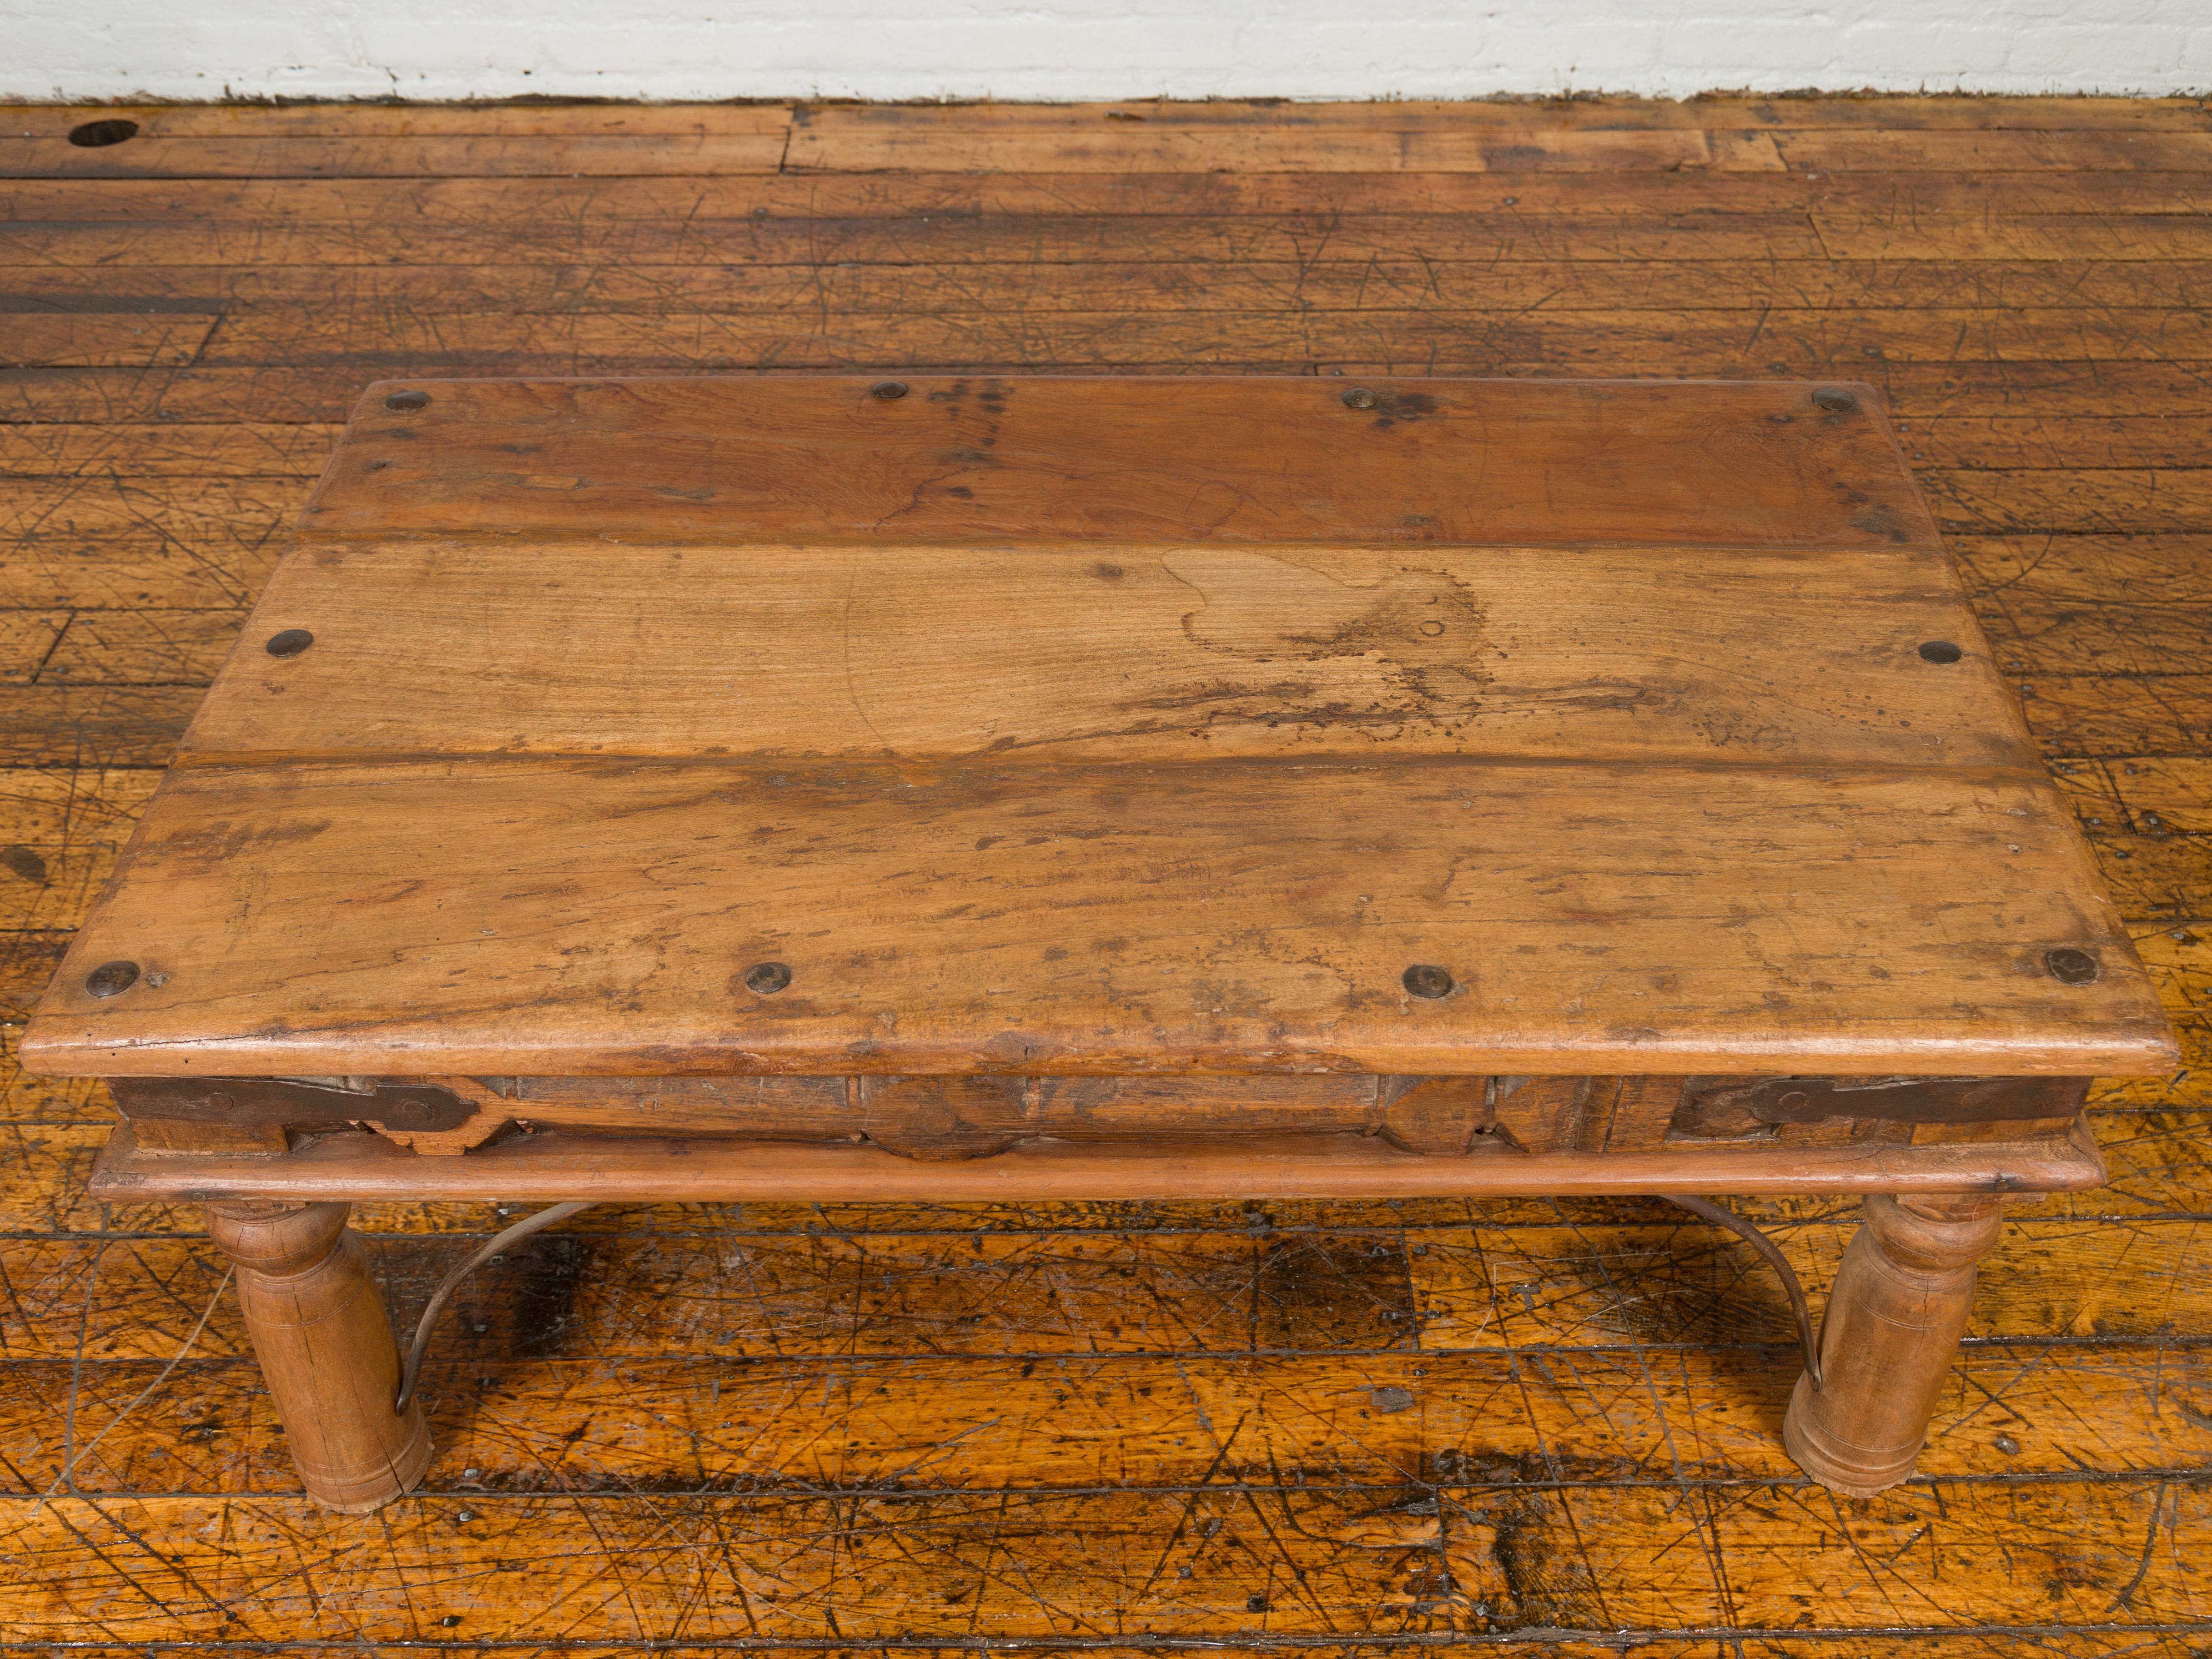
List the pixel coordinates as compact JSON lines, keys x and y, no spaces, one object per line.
{"x":1705,"y":1208}
{"x":492,"y":1247}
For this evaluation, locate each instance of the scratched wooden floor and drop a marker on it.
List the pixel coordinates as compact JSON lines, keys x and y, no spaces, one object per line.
{"x":1504,"y":1426}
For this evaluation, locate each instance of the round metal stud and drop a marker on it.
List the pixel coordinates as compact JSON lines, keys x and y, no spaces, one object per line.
{"x":2070,"y":966}
{"x":889,"y":390}
{"x":111,"y":979}
{"x":1940,"y":650}
{"x":1834,"y":400}
{"x":99,"y":135}
{"x":766,"y":978}
{"x":1360,"y":397}
{"x":289,"y":643}
{"x":406,"y":402}
{"x":1428,"y":980}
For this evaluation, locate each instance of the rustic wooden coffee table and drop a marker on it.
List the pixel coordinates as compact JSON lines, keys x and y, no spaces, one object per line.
{"x":1106,"y":788}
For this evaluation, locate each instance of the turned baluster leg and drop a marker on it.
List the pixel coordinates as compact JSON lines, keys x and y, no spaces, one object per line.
{"x":1889,"y":1337}
{"x":327,"y":1350}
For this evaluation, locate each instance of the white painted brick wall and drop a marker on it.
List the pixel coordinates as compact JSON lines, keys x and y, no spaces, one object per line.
{"x":1065,"y":48}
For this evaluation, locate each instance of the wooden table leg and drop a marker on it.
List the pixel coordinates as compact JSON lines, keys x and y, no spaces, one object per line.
{"x":1888,"y":1341}
{"x":327,"y":1350}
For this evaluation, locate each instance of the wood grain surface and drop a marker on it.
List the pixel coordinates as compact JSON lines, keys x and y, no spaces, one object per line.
{"x":1043,"y":653}
{"x":914,"y":946}
{"x":1620,"y":566}
{"x":1041,"y":458}
{"x":1475,"y":1417}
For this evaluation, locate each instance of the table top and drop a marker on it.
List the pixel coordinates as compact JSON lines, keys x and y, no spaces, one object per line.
{"x":1107,"y":724}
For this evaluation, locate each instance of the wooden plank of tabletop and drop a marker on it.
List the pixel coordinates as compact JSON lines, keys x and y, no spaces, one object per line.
{"x":1285,"y":458}
{"x":462,"y":915}
{"x":167,"y":611}
{"x":504,"y":645}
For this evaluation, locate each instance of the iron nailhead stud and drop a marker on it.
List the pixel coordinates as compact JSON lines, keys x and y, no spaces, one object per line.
{"x":1359,"y":398}
{"x":289,"y":643}
{"x":2071,"y":967}
{"x":766,"y":978}
{"x":406,"y":402}
{"x":889,"y":390}
{"x":1427,"y":980}
{"x":111,"y":979}
{"x":1834,"y":400}
{"x":1940,"y":650}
